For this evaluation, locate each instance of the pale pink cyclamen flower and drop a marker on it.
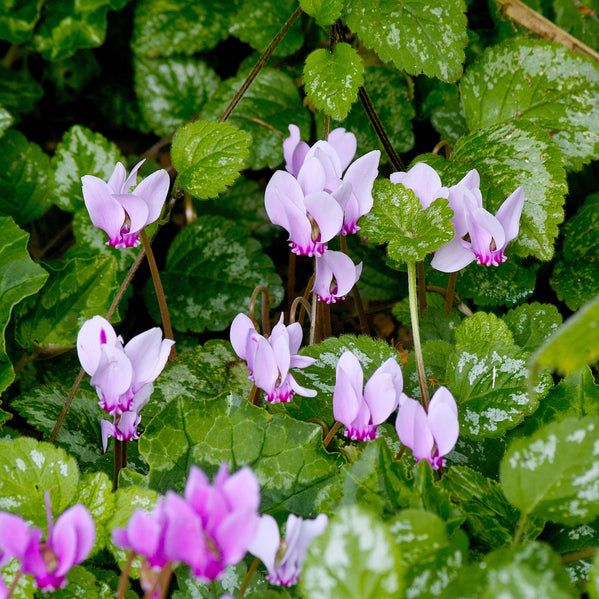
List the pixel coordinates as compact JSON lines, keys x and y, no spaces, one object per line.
{"x":68,"y":543}
{"x":284,"y":560}
{"x":269,"y":360}
{"x":122,"y":213}
{"x":430,"y":435}
{"x":424,"y":181}
{"x":326,"y":167}
{"x":478,"y":235}
{"x":335,"y":276}
{"x":362,"y":412}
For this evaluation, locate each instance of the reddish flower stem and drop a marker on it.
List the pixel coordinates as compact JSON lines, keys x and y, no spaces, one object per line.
{"x":124,"y":578}
{"x":331,"y":434}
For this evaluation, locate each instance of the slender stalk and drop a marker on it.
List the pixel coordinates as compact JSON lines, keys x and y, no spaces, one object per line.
{"x":327,"y":330}
{"x":520,"y":529}
{"x":253,"y":397}
{"x":380,"y":130}
{"x":305,"y":308}
{"x":60,"y":235}
{"x":164,"y":315}
{"x":67,"y":405}
{"x":290,"y":281}
{"x":416,"y":333}
{"x":264,"y":310}
{"x":450,"y":292}
{"x":421,"y":286}
{"x":165,"y":575}
{"x":442,"y":145}
{"x":11,"y":55}
{"x":124,"y":578}
{"x":120,"y":461}
{"x":14,"y":584}
{"x":583,"y":554}
{"x":322,"y":424}
{"x":248,"y":577}
{"x":400,"y":453}
{"x":313,"y":320}
{"x":261,"y":62}
{"x":331,"y":434}
{"x":364,"y":328}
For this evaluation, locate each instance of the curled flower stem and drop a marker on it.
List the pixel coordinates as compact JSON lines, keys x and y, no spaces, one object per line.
{"x":322,"y":424}
{"x":124,"y":578}
{"x":248,"y":577}
{"x":356,"y":294}
{"x":450,"y":292}
{"x":14,"y":584}
{"x":164,"y":315}
{"x":305,"y":309}
{"x":443,"y":145}
{"x":331,"y":434}
{"x":265,"y":308}
{"x":416,"y":332}
{"x":421,"y":286}
{"x":261,"y":62}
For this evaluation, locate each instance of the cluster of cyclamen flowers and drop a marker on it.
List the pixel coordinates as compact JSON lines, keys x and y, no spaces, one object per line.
{"x":321,"y":195}
{"x":70,"y":540}
{"x":122,"y":375}
{"x":212,"y":527}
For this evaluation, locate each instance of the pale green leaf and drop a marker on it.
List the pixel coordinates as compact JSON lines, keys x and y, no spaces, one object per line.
{"x":325,"y":12}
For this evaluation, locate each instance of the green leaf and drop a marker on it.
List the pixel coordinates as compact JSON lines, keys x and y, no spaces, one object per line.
{"x":82,"y":584}
{"x":332,"y":80}
{"x":25,"y":183}
{"x":355,"y":558}
{"x":81,"y":152}
{"x":593,"y":585}
{"x":172,"y":90}
{"x":268,"y":106}
{"x":443,"y":106}
{"x":30,"y":468}
{"x":321,"y":375}
{"x":170,"y":27}
{"x":544,"y":83}
{"x":531,"y":324}
{"x":482,"y":328}
{"x":257,"y":22}
{"x":582,"y":24}
{"x":554,"y":474}
{"x":208,"y":156}
{"x":26,"y":586}
{"x":491,"y":520}
{"x":95,"y":493}
{"x":75,"y":291}
{"x":19,"y":278}
{"x":398,"y":218}
{"x":18,"y":19}
{"x":6,"y":120}
{"x":482,"y":455}
{"x":211,"y":269}
{"x":19,"y":91}
{"x":286,"y":455}
{"x":325,"y":12}
{"x":512,"y":154}
{"x":573,"y":345}
{"x":419,"y":37}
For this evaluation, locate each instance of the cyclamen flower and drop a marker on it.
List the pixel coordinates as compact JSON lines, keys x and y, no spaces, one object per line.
{"x":361,"y":413}
{"x":430,"y":435}
{"x":335,"y":276}
{"x":424,"y":181}
{"x":321,"y":168}
{"x":269,"y":360}
{"x":69,"y":542}
{"x":284,"y":560}
{"x":122,"y":214}
{"x":478,"y":234}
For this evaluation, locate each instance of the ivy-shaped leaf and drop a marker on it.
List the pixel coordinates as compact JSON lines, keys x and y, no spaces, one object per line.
{"x":554,"y":474}
{"x":19,"y":91}
{"x":332,"y":80}
{"x":325,"y":12}
{"x":81,"y":152}
{"x":397,"y":218}
{"x":18,"y":19}
{"x":531,"y":324}
{"x":211,"y":269}
{"x":419,"y":37}
{"x":542,"y":82}
{"x":208,"y":156}
{"x":95,"y":493}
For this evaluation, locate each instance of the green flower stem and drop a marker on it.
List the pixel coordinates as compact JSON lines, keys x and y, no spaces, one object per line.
{"x":164,"y":315}
{"x":124,"y":578}
{"x":578,"y":555}
{"x":416,"y":332}
{"x":246,"y":581}
{"x":450,"y":292}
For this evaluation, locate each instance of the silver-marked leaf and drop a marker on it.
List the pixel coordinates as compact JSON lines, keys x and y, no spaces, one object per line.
{"x":83,"y":584}
{"x":355,"y":558}
{"x":332,"y":80}
{"x":81,"y":152}
{"x":18,"y":19}
{"x":542,"y":82}
{"x":325,"y":12}
{"x":419,"y":37}
{"x":212,"y":268}
{"x":554,"y":473}
{"x":208,"y":156}
{"x":531,"y":324}
{"x":19,"y":90}
{"x":397,"y":218}
{"x":95,"y":493}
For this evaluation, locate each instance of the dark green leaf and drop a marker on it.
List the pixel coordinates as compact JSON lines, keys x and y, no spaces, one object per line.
{"x":531,"y":324}
{"x":325,"y":12}
{"x":19,"y":91}
{"x":83,"y":584}
{"x":482,"y":455}
{"x":211,"y":270}
{"x":208,"y":156}
{"x":419,"y":37}
{"x":554,"y":473}
{"x":172,"y":90}
{"x":25,"y":182}
{"x":81,"y":152}
{"x":18,"y":19}
{"x":582,"y":24}
{"x":355,"y":558}
{"x":332,"y":80}
{"x":398,"y":218}
{"x":593,"y":585}
{"x":443,"y":106}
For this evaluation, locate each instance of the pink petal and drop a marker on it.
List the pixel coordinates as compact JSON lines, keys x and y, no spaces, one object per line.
{"x":297,"y":388}
{"x":72,"y":538}
{"x":105,"y":212}
{"x":294,"y":330}
{"x":345,"y":145}
{"x":197,"y":488}
{"x":326,"y":212}
{"x":117,"y":179}
{"x":15,"y":534}
{"x":323,"y":277}
{"x":280,"y":347}
{"x":113,"y":376}
{"x":107,"y":430}
{"x":361,"y":174}
{"x":347,"y":396}
{"x":148,"y":354}
{"x":443,"y":420}
{"x":412,"y":429}
{"x":266,"y":371}
{"x":154,"y":190}
{"x":346,"y":273}
{"x":484,"y":228}
{"x":94,"y":333}
{"x":424,"y":181}
{"x":294,"y":150}
{"x":240,"y":329}
{"x":243,"y":490}
{"x":267,"y":541}
{"x":234,"y":535}
{"x":299,"y":361}
{"x":452,"y":256}
{"x":381,"y":397}
{"x":136,"y":210}
{"x":312,"y":176}
{"x":509,"y":214}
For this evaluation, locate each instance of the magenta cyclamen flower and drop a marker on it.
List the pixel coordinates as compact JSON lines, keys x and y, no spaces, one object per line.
{"x":269,"y":360}
{"x":430,"y":435}
{"x":284,"y":560}
{"x":69,"y":542}
{"x":361,"y":413}
{"x":122,"y":214}
{"x":335,"y":276}
{"x":478,"y":234}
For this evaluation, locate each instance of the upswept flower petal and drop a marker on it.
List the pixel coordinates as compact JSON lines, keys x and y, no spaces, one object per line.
{"x":153,"y":190}
{"x":424,"y":181}
{"x":72,"y":538}
{"x":94,"y":333}
{"x":294,"y":151}
{"x":104,"y":210}
{"x":335,"y":275}
{"x":345,"y":144}
{"x":509,"y":214}
{"x":327,"y":215}
{"x":148,"y":353}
